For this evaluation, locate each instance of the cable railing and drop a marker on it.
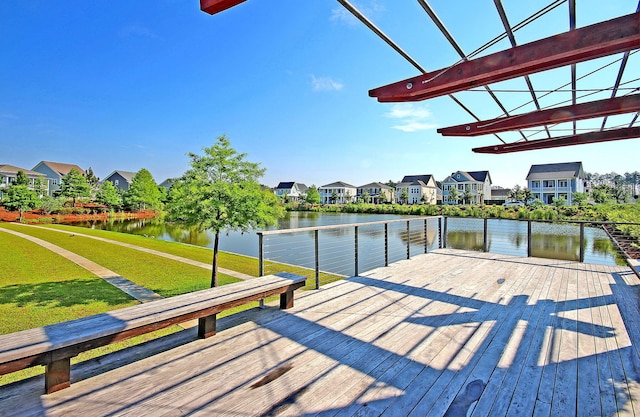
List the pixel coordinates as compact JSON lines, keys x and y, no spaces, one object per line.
{"x":328,"y":253}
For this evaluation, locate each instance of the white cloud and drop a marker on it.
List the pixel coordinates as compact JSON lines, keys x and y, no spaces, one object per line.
{"x":370,"y":9}
{"x":412,"y":117}
{"x":325,"y":84}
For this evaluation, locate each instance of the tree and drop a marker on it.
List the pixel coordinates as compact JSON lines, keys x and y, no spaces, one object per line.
{"x":454,"y":194}
{"x":108,"y":195}
{"x":313,"y":196}
{"x":18,"y":196}
{"x":579,"y":199}
{"x":93,"y":181}
{"x":143,"y":192}
{"x":467,"y":196}
{"x":404,"y":196}
{"x":74,"y":185}
{"x":221,"y":192}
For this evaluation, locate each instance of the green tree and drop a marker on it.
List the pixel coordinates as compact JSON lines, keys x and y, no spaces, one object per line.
{"x":143,"y":192}
{"x":366,"y":197}
{"x":221,"y":192}
{"x":467,"y":196}
{"x":109,"y":195}
{"x":19,"y":196}
{"x":93,"y":181}
{"x":579,"y":199}
{"x":454,"y":194}
{"x":74,"y":185}
{"x":404,"y":196}
{"x":313,"y":196}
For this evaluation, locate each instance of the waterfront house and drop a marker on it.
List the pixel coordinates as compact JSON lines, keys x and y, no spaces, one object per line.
{"x":376,"y":192}
{"x":553,"y":181}
{"x":474,"y":187}
{"x":54,"y":172}
{"x":337,"y":193}
{"x":418,"y":189}
{"x":294,"y":191}
{"x":121,"y":179}
{"x":8,"y":174}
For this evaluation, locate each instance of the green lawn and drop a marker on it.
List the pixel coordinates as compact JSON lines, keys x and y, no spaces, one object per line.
{"x":245,"y":264}
{"x":164,"y":276}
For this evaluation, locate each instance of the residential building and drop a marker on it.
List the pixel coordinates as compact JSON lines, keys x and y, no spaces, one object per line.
{"x":167,"y":183}
{"x":473,"y":187}
{"x":294,"y":191}
{"x":376,"y":192}
{"x":499,"y":194}
{"x":9,"y":173}
{"x":54,"y":172}
{"x":550,"y":181}
{"x":121,"y":179}
{"x":419,"y":189}
{"x":337,"y":193}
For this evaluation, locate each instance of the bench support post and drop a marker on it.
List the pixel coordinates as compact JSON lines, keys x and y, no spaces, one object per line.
{"x":286,"y":300}
{"x":206,"y":326}
{"x":57,"y":375}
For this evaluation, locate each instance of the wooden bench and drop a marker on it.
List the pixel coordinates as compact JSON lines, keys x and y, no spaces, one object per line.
{"x":55,"y":345}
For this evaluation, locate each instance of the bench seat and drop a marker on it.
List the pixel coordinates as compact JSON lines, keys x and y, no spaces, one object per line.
{"x":54,"y":345}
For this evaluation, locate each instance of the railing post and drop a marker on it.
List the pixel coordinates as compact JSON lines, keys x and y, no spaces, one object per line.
{"x":582,"y":242}
{"x":356,"y":251}
{"x":317,"y":256}
{"x":439,"y":232}
{"x":426,"y":237}
{"x":444,"y":232}
{"x":260,"y":254}
{"x":408,"y":241}
{"x":529,"y":239}
{"x":386,"y":244}
{"x":485,"y":237}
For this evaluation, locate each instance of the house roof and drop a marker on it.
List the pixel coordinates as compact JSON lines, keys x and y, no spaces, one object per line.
{"x":411,"y":178}
{"x":376,"y":185}
{"x":127,"y":175}
{"x":338,"y":184}
{"x":60,"y":168}
{"x":479,"y":176}
{"x":560,"y":170}
{"x":10,"y":169}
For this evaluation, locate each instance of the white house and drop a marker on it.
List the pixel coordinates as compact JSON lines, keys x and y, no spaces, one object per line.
{"x":337,"y":193}
{"x":377,"y":192}
{"x":294,"y":191}
{"x":474,"y":187}
{"x":550,"y":181}
{"x":9,"y":173}
{"x":418,"y":189}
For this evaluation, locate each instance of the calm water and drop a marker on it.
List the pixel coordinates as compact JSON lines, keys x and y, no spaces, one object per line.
{"x":558,"y":241}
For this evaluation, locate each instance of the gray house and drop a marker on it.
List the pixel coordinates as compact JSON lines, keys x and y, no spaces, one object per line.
{"x":8,"y":174}
{"x":54,"y":172}
{"x":548,"y":182}
{"x":120,"y":179}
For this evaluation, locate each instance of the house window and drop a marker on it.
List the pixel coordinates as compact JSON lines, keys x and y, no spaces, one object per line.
{"x":549,"y":183}
{"x":116,"y":182}
{"x":535,"y":184}
{"x":562,"y":183}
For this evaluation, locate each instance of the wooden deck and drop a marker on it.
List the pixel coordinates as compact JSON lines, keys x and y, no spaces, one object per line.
{"x":424,"y":337}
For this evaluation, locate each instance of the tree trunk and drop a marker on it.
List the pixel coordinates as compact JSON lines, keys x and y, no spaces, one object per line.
{"x":214,"y":263}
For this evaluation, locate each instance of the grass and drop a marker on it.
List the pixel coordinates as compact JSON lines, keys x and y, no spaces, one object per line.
{"x":240,"y":263}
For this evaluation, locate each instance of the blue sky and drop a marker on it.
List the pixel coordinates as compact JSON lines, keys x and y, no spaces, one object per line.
{"x":131,"y":84}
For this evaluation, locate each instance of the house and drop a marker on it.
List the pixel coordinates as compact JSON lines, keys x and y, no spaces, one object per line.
{"x":499,"y":195}
{"x":167,"y":183}
{"x":473,"y":187}
{"x":54,"y":172}
{"x":337,"y":192}
{"x":376,"y":192}
{"x":550,"y":181}
{"x":417,"y":189}
{"x":9,"y":173}
{"x":294,"y":191}
{"x":121,"y":179}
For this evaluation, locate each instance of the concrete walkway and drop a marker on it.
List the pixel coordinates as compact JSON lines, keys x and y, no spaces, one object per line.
{"x":138,"y":292}
{"x":229,"y":272}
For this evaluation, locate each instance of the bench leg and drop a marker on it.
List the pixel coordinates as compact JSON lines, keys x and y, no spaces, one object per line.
{"x":206,"y":326}
{"x":57,"y":375}
{"x":286,"y":300}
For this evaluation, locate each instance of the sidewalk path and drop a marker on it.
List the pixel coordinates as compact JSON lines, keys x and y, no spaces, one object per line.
{"x":199,"y":264}
{"x":138,"y":292}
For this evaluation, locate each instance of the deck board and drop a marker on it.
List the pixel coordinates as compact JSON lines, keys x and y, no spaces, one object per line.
{"x":554,"y":338}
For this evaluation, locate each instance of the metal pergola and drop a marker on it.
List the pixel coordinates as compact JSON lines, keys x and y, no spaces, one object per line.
{"x":616,"y":40}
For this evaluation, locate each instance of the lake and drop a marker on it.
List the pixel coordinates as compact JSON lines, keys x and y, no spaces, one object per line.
{"x":558,"y":241}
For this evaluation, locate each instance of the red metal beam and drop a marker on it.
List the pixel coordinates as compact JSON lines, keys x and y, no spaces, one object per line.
{"x":215,"y":6}
{"x":601,"y":39}
{"x":605,"y":107}
{"x":591,"y":137}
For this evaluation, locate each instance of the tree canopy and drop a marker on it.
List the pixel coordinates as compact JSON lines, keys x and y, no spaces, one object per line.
{"x":74,"y":185}
{"x":19,"y":196}
{"x":143,"y":193}
{"x":221,"y":192}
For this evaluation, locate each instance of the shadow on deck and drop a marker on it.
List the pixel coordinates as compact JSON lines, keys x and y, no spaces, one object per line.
{"x":449,"y":333}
